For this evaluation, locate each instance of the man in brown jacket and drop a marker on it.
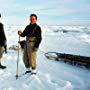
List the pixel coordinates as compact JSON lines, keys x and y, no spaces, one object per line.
{"x":33,"y":39}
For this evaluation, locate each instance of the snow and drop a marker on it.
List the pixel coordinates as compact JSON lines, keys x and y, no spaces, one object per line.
{"x":52,"y":75}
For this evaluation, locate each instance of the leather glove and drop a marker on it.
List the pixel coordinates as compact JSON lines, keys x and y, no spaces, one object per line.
{"x":5,"y":46}
{"x":5,"y":42}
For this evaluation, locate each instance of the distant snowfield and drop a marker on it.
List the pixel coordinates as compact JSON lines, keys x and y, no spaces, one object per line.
{"x":51,"y":75}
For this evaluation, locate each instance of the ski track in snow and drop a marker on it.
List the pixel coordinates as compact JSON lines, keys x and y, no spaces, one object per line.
{"x":51,"y":75}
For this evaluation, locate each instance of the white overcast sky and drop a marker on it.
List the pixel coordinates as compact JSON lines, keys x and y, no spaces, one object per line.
{"x":61,"y":12}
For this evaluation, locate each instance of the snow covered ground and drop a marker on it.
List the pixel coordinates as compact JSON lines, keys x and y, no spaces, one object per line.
{"x":51,"y":75}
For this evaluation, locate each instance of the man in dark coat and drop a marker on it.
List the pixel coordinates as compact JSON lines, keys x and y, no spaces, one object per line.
{"x":33,"y":40}
{"x":2,"y":43}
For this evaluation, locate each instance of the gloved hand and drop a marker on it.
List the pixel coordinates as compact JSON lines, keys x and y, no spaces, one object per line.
{"x":19,"y":32}
{"x":5,"y":42}
{"x":5,"y":46}
{"x":35,"y":49}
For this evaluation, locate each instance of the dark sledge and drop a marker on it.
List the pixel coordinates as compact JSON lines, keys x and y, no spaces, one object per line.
{"x":73,"y":59}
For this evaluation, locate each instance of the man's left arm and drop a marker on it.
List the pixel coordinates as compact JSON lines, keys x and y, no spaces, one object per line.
{"x":4,"y":36}
{"x":38,"y":38}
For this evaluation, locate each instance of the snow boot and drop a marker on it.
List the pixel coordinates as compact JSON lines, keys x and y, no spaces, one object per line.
{"x":2,"y":67}
{"x":27,"y":72}
{"x":34,"y":72}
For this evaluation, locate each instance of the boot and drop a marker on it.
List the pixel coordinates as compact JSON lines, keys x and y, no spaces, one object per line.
{"x":34,"y":71}
{"x":28,"y":70}
{"x":2,"y":67}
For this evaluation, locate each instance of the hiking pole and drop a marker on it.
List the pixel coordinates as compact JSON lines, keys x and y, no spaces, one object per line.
{"x":17,"y":60}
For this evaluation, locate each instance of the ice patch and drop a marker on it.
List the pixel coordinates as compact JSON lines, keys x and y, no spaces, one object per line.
{"x":86,"y":38}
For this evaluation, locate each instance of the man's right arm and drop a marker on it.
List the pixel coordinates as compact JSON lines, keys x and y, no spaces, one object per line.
{"x":3,"y":33}
{"x":22,"y":34}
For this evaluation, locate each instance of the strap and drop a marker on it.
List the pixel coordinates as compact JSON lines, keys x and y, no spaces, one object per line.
{"x":34,"y":29}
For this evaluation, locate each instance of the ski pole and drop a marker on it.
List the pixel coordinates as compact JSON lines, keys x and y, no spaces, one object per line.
{"x":17,"y":60}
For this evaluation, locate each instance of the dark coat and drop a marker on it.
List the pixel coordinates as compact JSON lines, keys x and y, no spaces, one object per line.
{"x":33,"y":31}
{"x":2,"y":35}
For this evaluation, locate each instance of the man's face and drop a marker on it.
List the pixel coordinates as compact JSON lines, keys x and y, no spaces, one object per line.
{"x":33,"y":20}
